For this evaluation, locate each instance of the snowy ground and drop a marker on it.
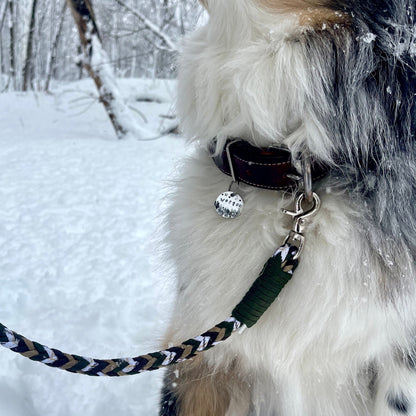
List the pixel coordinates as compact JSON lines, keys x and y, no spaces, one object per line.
{"x":78,"y":214}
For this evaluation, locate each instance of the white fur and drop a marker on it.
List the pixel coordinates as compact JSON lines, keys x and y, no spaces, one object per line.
{"x":242,"y":75}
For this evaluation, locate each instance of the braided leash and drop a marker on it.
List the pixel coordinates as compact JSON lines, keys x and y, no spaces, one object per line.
{"x":276,"y":273}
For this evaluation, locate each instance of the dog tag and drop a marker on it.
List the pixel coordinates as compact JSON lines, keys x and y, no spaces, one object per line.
{"x":229,"y":205}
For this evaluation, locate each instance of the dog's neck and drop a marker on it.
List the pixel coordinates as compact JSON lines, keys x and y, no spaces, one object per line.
{"x":245,"y":74}
{"x":239,"y":77}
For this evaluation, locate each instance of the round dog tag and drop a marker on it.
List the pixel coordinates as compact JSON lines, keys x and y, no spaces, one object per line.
{"x":229,"y":205}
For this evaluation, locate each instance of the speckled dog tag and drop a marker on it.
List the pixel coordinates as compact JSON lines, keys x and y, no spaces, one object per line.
{"x":229,"y":205}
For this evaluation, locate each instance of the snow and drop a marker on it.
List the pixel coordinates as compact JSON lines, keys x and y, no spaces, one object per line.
{"x":80,"y":218}
{"x":369,"y":37}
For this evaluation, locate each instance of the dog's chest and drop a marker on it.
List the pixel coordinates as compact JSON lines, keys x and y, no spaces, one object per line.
{"x":331,"y":302}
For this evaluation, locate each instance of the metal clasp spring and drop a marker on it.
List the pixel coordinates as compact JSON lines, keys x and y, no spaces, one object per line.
{"x":300,"y":216}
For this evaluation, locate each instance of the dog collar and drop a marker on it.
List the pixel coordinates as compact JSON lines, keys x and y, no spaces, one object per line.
{"x":268,"y":168}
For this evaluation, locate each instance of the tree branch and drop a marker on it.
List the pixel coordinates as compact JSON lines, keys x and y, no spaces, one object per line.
{"x":151,"y":26}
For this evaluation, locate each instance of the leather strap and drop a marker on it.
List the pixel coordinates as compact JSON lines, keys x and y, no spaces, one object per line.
{"x":270,"y":168}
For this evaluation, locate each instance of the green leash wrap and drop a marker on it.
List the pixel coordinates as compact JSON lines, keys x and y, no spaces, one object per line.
{"x":274,"y":276}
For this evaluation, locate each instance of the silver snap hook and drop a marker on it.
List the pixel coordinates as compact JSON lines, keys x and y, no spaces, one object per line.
{"x":300,"y":216}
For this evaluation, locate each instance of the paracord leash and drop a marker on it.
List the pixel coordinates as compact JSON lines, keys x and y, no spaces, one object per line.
{"x":276,"y":273}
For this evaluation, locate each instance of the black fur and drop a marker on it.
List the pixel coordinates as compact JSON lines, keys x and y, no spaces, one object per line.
{"x":368,"y":110}
{"x":168,"y":403}
{"x":400,"y":403}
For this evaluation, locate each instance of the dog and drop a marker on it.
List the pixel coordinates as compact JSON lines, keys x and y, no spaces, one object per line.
{"x":336,"y":79}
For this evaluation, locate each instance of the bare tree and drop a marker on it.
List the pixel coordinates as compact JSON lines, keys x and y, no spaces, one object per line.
{"x":157,"y":31}
{"x":95,"y":62}
{"x":54,"y":46}
{"x":38,"y":43}
{"x":12,"y":66}
{"x":27,"y":69}
{"x":181,"y":8}
{"x":3,"y":12}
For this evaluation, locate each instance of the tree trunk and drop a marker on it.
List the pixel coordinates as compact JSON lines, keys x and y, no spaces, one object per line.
{"x":95,"y":62}
{"x":54,"y":47}
{"x":79,"y":63}
{"x":38,"y":67}
{"x":12,"y":65}
{"x":3,"y":12}
{"x":181,"y":7}
{"x":27,"y":69}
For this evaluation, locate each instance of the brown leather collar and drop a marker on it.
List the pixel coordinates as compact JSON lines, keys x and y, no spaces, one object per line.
{"x":270,"y":168}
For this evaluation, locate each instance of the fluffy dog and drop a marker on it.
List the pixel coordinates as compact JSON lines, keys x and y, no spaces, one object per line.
{"x":336,"y":78}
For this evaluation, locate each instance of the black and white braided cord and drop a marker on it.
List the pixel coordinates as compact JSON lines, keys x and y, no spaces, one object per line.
{"x":275,"y":274}
{"x":119,"y":366}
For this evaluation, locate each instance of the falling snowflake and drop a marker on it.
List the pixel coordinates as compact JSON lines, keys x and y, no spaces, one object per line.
{"x":369,"y":37}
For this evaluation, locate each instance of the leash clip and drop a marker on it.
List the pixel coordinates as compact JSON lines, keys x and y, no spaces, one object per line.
{"x":300,"y":217}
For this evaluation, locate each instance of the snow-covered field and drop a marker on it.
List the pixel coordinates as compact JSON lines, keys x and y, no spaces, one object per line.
{"x":79,"y":212}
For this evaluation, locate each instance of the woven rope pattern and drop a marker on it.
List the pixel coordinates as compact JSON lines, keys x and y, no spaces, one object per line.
{"x":118,"y":366}
{"x":276,"y":273}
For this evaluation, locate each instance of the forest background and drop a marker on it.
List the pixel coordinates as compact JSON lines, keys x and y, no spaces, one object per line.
{"x":81,"y":213}
{"x":39,"y":41}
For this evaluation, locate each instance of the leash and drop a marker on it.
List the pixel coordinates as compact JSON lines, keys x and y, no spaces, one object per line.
{"x":276,"y":273}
